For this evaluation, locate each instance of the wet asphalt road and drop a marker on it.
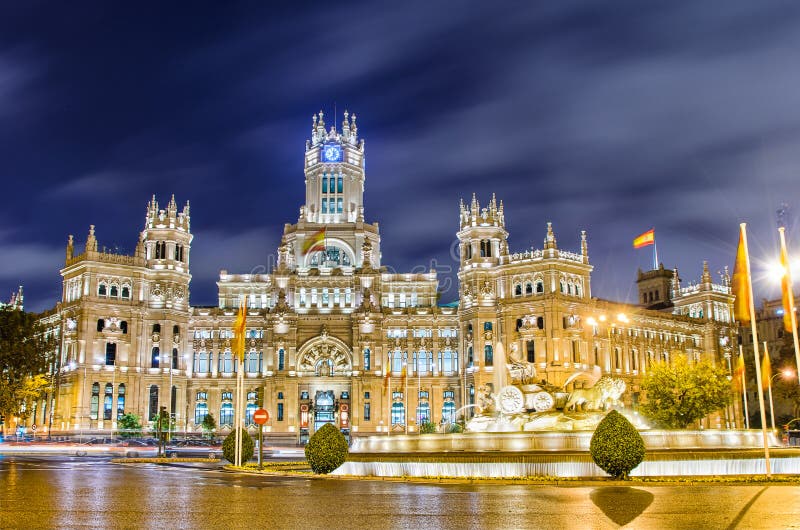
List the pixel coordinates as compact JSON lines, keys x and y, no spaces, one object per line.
{"x":70,"y":492}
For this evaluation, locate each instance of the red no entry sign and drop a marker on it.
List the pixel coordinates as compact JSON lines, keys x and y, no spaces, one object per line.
{"x":261,"y":416}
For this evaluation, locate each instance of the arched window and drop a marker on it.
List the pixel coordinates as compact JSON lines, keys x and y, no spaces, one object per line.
{"x":226,"y":414}
{"x":95,"y":403}
{"x":101,"y":290}
{"x":253,"y":362}
{"x":174,"y":358}
{"x":155,"y":357}
{"x":101,"y":324}
{"x":539,"y":287}
{"x":152,"y":411}
{"x":156,"y":328}
{"x":423,"y":413}
{"x":111,"y":354}
{"x":108,"y":401}
{"x":470,"y":357}
{"x":281,"y":359}
{"x":398,"y":414}
{"x":249,"y":410}
{"x":126,"y":291}
{"x":487,"y":326}
{"x":449,"y":412}
{"x":488,"y":355}
{"x":124,"y":327}
{"x":201,"y":363}
{"x":114,"y":291}
{"x":397,"y":361}
{"x":120,"y":400}
{"x":200,"y":412}
{"x":226,"y":363}
{"x":529,"y":288}
{"x":518,"y":290}
{"x":562,"y":287}
{"x":176,"y":330}
{"x":468,"y":251}
{"x":540,"y":322}
{"x":366,"y":359}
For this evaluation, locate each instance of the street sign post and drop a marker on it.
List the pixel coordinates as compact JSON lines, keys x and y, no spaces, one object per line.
{"x":260,"y":417}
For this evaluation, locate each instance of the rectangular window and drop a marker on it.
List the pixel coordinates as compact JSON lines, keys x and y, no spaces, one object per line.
{"x":339,"y":205}
{"x":339,"y":186}
{"x":280,"y":411}
{"x":366,"y":411}
{"x":324,"y":205}
{"x":324,"y":184}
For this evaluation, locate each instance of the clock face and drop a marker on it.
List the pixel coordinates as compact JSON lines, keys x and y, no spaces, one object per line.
{"x":332,"y":153}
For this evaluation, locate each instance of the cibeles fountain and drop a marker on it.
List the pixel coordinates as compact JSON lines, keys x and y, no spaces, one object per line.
{"x":525,"y":427}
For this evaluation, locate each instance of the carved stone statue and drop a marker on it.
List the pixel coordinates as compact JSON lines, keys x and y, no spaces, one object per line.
{"x":606,"y":391}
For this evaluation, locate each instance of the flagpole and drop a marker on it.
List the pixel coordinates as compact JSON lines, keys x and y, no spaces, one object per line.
{"x":744,"y":392}
{"x":655,"y":251}
{"x":769,"y":388}
{"x":792,"y":315}
{"x":754,"y":330}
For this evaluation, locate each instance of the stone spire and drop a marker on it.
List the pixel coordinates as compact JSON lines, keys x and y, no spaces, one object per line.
{"x":584,"y":247}
{"x":70,"y":247}
{"x":676,"y":284}
{"x":91,"y":240}
{"x":550,"y":239}
{"x":706,"y":278}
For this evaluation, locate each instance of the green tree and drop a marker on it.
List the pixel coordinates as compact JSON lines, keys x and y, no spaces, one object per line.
{"x":326,"y":450}
{"x":130,"y":426}
{"x":681,"y":392}
{"x":229,"y":446}
{"x":25,"y":351}
{"x":427,"y":427}
{"x":616,"y":446}
{"x":209,"y":425}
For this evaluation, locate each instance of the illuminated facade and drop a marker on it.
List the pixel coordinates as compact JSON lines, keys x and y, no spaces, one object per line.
{"x":332,"y":336}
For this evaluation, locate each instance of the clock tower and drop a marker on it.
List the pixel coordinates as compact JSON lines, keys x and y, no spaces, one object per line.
{"x":331,"y":231}
{"x":334,"y":169}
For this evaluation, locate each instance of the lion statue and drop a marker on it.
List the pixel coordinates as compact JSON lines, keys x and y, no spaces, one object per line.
{"x":606,"y":391}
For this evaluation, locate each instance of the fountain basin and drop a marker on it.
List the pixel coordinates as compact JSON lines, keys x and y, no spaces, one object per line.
{"x":562,"y":454}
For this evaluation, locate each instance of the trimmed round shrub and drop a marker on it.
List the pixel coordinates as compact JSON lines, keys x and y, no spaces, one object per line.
{"x":326,"y":450}
{"x":616,"y":447}
{"x":229,"y":446}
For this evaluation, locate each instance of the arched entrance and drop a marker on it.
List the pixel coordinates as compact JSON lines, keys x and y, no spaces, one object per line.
{"x":324,"y":408}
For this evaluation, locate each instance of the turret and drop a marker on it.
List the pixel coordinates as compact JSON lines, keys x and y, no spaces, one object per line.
{"x":483,"y":234}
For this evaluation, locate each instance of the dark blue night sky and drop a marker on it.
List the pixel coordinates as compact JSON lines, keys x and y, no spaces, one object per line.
{"x":610,"y":117}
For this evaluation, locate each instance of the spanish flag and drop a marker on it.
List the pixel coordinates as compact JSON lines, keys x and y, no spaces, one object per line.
{"x":766,"y":371}
{"x":646,"y":239}
{"x":239,"y":329}
{"x":741,"y":281}
{"x":786,"y":290}
{"x":738,"y":374}
{"x":315,"y":242}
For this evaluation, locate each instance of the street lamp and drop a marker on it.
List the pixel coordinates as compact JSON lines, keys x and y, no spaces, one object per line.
{"x":787,"y":374}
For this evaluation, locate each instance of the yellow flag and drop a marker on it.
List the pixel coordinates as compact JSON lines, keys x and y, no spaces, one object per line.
{"x":766,"y":371}
{"x":315,"y":242}
{"x":741,"y":282}
{"x":738,"y":374}
{"x":239,"y":329}
{"x":786,"y":290}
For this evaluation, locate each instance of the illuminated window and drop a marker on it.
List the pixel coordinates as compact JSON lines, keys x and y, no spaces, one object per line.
{"x":155,"y":357}
{"x":95,"y":403}
{"x":281,"y":359}
{"x":366,"y":411}
{"x":121,"y":400}
{"x":449,"y":412}
{"x":200,"y":413}
{"x":488,"y":355}
{"x":153,"y":406}
{"x":366,"y":359}
{"x":280,"y":411}
{"x":398,"y":414}
{"x":226,"y":415}
{"x":108,"y":401}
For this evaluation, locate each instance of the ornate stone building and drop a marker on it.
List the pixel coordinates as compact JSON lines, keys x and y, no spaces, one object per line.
{"x":333,"y":337}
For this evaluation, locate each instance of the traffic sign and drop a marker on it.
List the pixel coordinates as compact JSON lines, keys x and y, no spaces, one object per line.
{"x":261,"y":416}
{"x":33,"y":428}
